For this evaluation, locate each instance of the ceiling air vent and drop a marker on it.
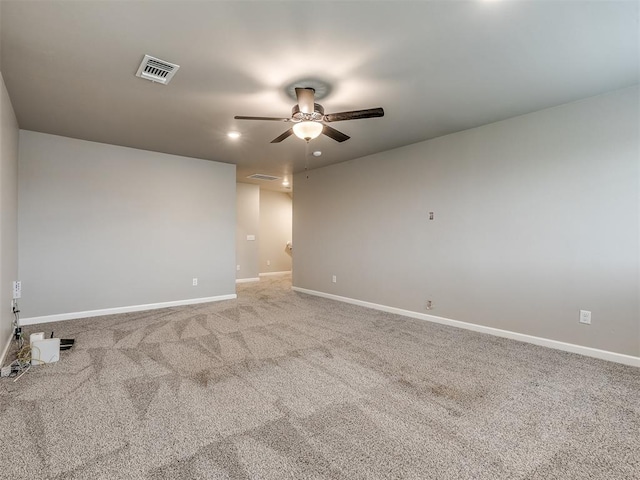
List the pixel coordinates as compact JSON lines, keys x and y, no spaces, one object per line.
{"x":156,"y":70}
{"x":262,"y":176}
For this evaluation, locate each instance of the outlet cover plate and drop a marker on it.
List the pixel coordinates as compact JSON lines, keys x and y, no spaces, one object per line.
{"x":17,"y":289}
{"x":585,"y":317}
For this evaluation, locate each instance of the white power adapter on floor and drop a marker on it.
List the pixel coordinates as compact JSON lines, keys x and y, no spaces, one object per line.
{"x":44,"y":351}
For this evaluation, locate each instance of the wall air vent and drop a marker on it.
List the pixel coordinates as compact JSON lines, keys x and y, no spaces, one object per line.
{"x":261,"y":176}
{"x":156,"y":70}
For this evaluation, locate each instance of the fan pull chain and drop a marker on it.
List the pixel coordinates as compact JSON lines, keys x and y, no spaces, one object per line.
{"x":306,"y":159}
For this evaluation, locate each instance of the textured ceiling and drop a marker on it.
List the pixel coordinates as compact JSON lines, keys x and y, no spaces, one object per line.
{"x":435,"y":67}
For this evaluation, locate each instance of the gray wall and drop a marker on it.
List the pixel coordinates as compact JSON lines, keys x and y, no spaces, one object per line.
{"x":248,"y":223}
{"x":536,"y":217}
{"x":8,"y":211}
{"x":102,"y":226}
{"x":275,"y":231}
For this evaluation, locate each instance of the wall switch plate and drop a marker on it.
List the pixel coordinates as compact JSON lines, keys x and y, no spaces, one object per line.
{"x":334,"y":279}
{"x":17,"y":289}
{"x":237,"y":268}
{"x":195,"y":282}
{"x":585,"y":317}
{"x":251,"y":238}
{"x":268,"y":263}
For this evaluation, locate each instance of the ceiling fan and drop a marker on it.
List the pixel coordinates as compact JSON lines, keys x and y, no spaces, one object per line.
{"x":310,"y":120}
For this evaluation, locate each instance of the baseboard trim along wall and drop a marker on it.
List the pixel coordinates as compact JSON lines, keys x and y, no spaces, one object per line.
{"x":269,"y":274}
{"x":6,"y":348}
{"x":112,"y":311}
{"x":544,"y":342}
{"x":247,"y":280}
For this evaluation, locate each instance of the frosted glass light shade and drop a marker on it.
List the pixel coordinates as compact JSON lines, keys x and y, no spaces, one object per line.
{"x":307,"y":130}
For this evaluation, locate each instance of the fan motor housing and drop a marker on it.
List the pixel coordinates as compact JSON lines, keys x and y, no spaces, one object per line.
{"x":317,"y":115}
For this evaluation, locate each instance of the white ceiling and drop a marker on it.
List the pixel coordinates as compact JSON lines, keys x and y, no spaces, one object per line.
{"x":436,"y":67}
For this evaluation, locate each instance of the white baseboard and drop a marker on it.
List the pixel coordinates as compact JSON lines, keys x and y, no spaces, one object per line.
{"x":544,"y":342}
{"x":112,"y":311}
{"x":247,"y":280}
{"x":6,"y":348}
{"x":269,"y":274}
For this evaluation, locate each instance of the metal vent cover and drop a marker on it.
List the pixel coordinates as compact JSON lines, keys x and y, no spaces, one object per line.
{"x":156,"y":70}
{"x":262,"y":176}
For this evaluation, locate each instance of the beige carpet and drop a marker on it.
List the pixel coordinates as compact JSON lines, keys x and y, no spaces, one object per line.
{"x":280,"y":385}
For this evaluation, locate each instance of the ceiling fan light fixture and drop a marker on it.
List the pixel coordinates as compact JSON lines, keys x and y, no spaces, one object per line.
{"x":307,"y":130}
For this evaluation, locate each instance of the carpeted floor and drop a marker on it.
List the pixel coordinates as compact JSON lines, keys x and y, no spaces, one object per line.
{"x":281,"y":385}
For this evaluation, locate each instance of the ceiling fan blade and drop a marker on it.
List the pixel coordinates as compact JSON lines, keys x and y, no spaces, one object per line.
{"x":240,"y":117}
{"x":286,"y":134}
{"x":335,"y":134}
{"x":305,"y":99}
{"x":354,"y":115}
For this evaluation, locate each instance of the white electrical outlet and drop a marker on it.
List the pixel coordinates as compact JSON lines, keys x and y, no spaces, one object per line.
{"x":237,"y":268}
{"x":585,"y":317}
{"x":17,"y":289}
{"x":429,"y":304}
{"x":268,"y":263}
{"x":195,"y":282}
{"x":334,"y":279}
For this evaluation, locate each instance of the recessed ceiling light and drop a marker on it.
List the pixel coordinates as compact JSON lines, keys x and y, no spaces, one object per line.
{"x":285,"y":183}
{"x":317,"y":153}
{"x":233,"y":134}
